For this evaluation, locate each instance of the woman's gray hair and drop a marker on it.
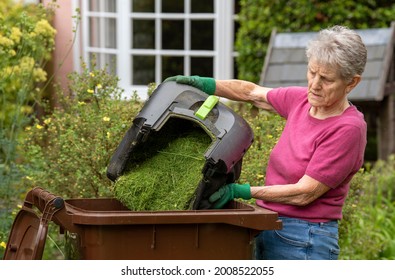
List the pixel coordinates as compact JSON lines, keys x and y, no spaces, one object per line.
{"x":339,"y":47}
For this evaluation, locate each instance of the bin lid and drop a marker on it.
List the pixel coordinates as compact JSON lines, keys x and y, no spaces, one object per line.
{"x":27,"y":237}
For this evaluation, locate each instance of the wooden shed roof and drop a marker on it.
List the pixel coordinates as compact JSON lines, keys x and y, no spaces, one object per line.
{"x":286,"y":62}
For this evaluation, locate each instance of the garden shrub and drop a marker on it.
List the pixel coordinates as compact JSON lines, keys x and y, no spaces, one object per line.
{"x":26,"y":44}
{"x":267,"y":128}
{"x":68,"y":151}
{"x":368,"y":230}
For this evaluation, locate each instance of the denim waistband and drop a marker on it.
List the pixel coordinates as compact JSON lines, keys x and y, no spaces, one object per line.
{"x":333,"y":223}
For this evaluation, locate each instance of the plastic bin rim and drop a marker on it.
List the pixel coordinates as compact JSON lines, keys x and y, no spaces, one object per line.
{"x":241,"y":214}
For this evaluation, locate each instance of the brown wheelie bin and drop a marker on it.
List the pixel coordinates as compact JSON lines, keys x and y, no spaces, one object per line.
{"x":105,"y":229}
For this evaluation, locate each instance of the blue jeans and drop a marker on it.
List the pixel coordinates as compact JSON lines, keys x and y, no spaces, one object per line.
{"x":299,"y":240}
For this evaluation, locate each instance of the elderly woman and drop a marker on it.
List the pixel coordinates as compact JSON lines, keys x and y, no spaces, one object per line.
{"x":321,"y":148}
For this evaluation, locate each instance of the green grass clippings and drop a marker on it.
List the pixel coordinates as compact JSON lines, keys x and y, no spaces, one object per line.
{"x":164,"y":171}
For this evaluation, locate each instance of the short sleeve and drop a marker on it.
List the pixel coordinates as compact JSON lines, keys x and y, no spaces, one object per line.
{"x":283,"y":99}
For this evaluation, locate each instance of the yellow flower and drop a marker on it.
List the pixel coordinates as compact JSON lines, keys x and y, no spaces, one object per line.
{"x":3,"y":244}
{"x":106,"y":119}
{"x":39,"y":75}
{"x":6,"y":42}
{"x":47,"y":121}
{"x":259,"y":176}
{"x":108,"y":135}
{"x":91,"y":74}
{"x":39,"y":126}
{"x":16,"y":34}
{"x":99,"y":86}
{"x":44,"y":28}
{"x":26,"y":64}
{"x":12,"y":53}
{"x":9,"y":70}
{"x":90,"y":91}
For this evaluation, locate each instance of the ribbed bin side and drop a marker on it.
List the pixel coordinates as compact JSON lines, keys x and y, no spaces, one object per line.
{"x":201,"y":234}
{"x":164,"y":242}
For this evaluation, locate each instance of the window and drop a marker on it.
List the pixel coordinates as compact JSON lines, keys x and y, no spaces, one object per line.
{"x":145,"y":41}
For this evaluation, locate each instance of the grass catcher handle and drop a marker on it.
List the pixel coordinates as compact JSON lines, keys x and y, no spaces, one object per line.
{"x":207,"y":106}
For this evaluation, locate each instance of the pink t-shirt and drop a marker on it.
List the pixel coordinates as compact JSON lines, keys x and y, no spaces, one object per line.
{"x":330,"y":151}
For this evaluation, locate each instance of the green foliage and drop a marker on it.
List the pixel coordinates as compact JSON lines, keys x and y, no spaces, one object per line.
{"x":258,"y":18}
{"x":267,"y":128}
{"x":368,"y":228}
{"x":26,"y":43}
{"x":68,"y":152}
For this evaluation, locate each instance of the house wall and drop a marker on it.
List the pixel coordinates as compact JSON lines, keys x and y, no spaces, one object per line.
{"x":62,"y":59}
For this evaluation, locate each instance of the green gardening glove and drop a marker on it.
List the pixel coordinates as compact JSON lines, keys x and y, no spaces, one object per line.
{"x":229,"y":192}
{"x":205,"y":84}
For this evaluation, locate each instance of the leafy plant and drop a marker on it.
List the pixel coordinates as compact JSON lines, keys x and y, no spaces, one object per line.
{"x":267,"y":128}
{"x":26,"y":43}
{"x":68,"y":151}
{"x":368,"y":229}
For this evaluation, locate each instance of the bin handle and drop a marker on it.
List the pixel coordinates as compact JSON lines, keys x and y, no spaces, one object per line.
{"x":48,"y":204}
{"x":52,"y":208}
{"x":41,"y":198}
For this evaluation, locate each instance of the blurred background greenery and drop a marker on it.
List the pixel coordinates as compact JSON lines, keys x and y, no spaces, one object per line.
{"x":66,"y":149}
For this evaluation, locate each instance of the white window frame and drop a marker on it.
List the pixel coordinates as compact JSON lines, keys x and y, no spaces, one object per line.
{"x":222,"y":53}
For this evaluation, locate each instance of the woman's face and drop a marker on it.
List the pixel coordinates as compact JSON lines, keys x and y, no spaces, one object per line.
{"x":327,"y":90}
